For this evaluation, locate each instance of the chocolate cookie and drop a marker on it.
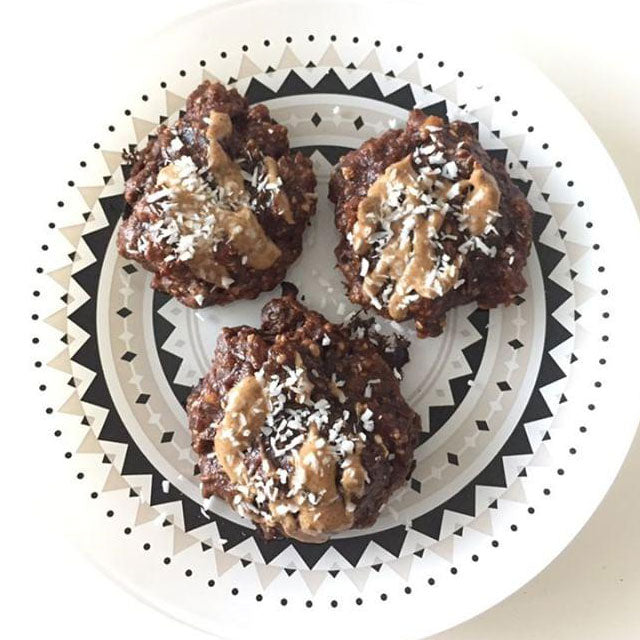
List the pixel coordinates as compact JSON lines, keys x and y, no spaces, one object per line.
{"x":429,"y":221}
{"x":216,"y":203}
{"x":300,"y":425}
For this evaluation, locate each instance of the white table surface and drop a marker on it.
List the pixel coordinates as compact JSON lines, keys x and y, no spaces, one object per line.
{"x":57,"y":54}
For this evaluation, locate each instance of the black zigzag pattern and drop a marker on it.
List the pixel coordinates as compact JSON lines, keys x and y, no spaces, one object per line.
{"x":331,"y":153}
{"x":114,"y":430}
{"x":473,"y":353}
{"x":536,"y":409}
{"x":170,"y":362}
{"x":294,"y":85}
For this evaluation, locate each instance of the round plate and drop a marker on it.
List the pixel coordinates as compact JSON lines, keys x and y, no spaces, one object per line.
{"x":517,"y":450}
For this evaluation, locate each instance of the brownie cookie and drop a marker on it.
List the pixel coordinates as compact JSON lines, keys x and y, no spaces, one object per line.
{"x":217,"y":204}
{"x":300,"y":425}
{"x":429,"y":221}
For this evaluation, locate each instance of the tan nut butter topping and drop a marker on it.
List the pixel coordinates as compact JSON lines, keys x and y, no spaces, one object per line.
{"x":280,"y":200}
{"x":354,"y":475}
{"x":230,"y":220}
{"x":226,"y":172}
{"x":242,"y":226}
{"x":305,"y":386}
{"x":483,"y":197}
{"x":410,"y":261}
{"x":337,"y":391}
{"x":315,"y":470}
{"x":430,"y":121}
{"x":244,"y":415}
{"x":401,"y":172}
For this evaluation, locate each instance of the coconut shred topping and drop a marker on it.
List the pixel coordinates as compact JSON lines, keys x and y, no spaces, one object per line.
{"x":308,"y":484}
{"x":399,"y":231}
{"x":198,"y":209}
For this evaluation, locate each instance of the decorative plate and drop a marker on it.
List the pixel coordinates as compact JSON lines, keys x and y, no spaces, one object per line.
{"x":517,"y":401}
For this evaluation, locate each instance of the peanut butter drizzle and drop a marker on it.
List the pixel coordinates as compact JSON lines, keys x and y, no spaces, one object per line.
{"x":230,"y":220}
{"x":242,"y":226}
{"x":315,"y":472}
{"x":430,"y":121}
{"x":305,"y":386}
{"x":337,"y":391}
{"x":248,"y":237}
{"x":483,"y":198}
{"x":410,"y":261}
{"x":313,"y":504}
{"x":354,"y":476}
{"x":401,"y":172}
{"x":226,"y":172}
{"x":244,"y":416}
{"x":418,"y":274}
{"x":280,"y":199}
